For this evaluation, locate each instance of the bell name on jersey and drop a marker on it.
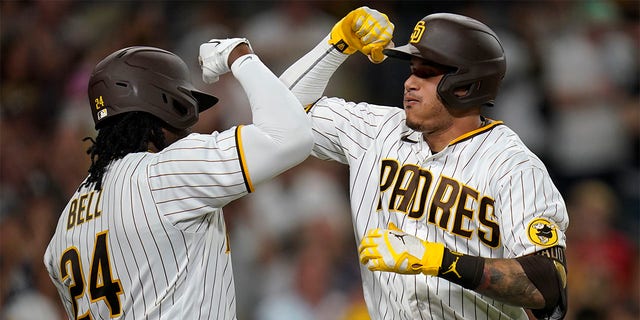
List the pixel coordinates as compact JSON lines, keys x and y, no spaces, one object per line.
{"x":83,"y":208}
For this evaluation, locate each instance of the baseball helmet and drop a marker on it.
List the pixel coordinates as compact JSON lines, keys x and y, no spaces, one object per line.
{"x":146,"y":79}
{"x":468,"y":47}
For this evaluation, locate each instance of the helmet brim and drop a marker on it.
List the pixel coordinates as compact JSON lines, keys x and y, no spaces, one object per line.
{"x":405,"y":52}
{"x":205,"y":101}
{"x":409,"y":51}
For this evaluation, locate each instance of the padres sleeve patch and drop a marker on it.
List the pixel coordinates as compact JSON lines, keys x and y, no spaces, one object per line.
{"x":542,"y":232}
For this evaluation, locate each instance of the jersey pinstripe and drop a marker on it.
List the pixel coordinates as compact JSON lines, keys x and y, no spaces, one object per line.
{"x":152,"y":244}
{"x":478,"y":196}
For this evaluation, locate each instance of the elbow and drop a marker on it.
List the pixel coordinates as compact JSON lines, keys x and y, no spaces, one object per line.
{"x":269,"y":154}
{"x":308,"y":140}
{"x":306,"y":132}
{"x":299,"y":134}
{"x":285,"y":79}
{"x":300,"y":141}
{"x":290,"y":133}
{"x":296,"y":148}
{"x":535,"y":301}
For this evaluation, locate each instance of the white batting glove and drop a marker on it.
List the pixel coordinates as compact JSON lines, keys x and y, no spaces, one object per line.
{"x":396,"y":251}
{"x":364,"y":29}
{"x":214,"y":57}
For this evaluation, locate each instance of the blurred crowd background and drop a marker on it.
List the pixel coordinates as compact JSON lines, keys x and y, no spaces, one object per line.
{"x":571,"y":92}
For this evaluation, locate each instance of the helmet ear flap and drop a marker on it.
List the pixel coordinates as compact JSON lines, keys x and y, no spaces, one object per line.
{"x":466,"y":91}
{"x":179,"y":108}
{"x":463,"y":91}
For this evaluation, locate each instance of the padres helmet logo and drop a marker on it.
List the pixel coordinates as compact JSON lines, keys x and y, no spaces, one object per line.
{"x":417,"y":33}
{"x":542,"y":232}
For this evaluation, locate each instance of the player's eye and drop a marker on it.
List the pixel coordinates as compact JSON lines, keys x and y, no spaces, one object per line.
{"x":425,"y":73}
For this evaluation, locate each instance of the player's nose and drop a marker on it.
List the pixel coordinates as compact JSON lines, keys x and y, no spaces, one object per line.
{"x":410,"y":84}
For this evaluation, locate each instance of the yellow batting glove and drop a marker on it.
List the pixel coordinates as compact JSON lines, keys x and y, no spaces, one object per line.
{"x":365,"y":30}
{"x":396,"y":251}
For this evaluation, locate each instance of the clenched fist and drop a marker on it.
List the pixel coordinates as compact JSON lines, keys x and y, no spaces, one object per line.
{"x":216,"y":56}
{"x":364,"y":29}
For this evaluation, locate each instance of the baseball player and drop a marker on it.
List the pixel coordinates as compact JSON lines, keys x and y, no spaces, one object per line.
{"x":144,"y":236}
{"x":455,"y":218}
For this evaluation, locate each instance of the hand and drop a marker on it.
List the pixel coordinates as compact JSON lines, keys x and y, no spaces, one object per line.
{"x":215,"y":55}
{"x":396,"y":251}
{"x":365,"y":30}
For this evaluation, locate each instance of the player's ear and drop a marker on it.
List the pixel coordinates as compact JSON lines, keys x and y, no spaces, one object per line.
{"x":462,"y":91}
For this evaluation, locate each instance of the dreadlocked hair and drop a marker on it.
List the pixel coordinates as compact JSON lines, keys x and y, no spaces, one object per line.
{"x":126,"y":133}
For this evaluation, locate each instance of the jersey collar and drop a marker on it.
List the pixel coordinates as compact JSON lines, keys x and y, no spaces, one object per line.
{"x":490,"y":124}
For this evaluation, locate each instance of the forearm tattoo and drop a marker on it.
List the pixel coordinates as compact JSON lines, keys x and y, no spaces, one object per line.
{"x":505,"y":280}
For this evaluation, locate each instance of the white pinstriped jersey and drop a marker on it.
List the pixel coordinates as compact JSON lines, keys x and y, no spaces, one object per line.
{"x":152,"y":244}
{"x":485,"y":195}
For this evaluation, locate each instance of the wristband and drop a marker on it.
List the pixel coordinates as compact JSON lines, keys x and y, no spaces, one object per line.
{"x":461,"y":269}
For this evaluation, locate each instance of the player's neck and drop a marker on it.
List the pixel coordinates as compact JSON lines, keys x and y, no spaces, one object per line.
{"x":438,"y":140}
{"x":170,"y":136}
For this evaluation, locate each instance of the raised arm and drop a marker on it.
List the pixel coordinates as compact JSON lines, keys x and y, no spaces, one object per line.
{"x":364,"y":29}
{"x":280,"y":136}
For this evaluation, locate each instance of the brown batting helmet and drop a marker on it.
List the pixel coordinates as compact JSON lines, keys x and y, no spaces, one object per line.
{"x":146,"y":79}
{"x":469,"y":47}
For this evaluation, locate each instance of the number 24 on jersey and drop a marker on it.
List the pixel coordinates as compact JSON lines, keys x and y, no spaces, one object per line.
{"x":102,"y":286}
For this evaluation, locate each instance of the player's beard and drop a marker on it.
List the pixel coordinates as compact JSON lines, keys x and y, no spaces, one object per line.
{"x":428,"y":117}
{"x":428,"y":127}
{"x":414,"y":125}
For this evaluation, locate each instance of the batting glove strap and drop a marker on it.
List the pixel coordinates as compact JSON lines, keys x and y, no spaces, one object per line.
{"x":214,"y":57}
{"x":462,"y":269}
{"x":364,"y":29}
